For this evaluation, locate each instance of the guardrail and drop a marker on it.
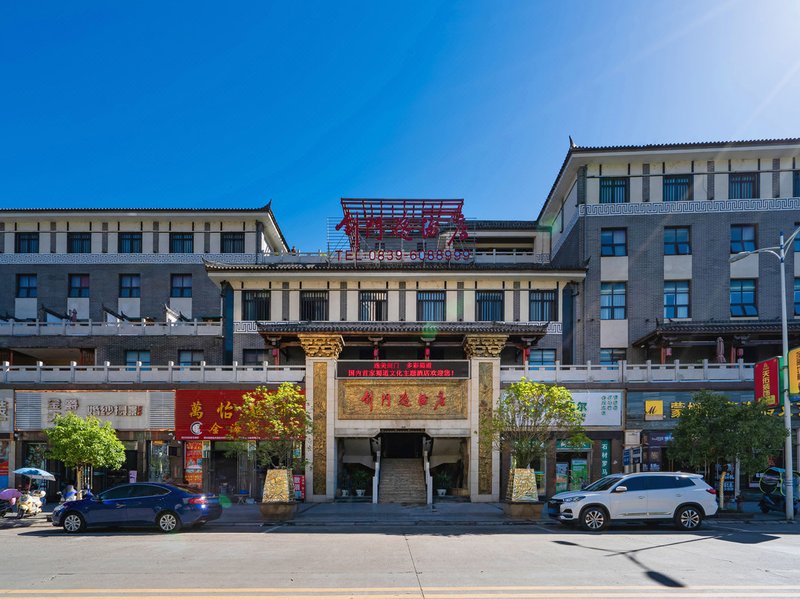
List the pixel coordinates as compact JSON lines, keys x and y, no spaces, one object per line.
{"x":89,"y":328}
{"x":623,"y":372}
{"x":169,"y":374}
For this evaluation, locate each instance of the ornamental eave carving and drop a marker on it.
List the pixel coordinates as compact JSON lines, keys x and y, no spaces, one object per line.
{"x":321,"y":346}
{"x":484,"y":346}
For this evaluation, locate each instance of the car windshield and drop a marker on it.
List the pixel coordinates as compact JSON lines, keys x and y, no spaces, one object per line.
{"x":603,"y":484}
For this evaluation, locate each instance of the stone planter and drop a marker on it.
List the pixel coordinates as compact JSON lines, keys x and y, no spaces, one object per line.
{"x":523,"y":510}
{"x":278,"y":511}
{"x":441,"y":492}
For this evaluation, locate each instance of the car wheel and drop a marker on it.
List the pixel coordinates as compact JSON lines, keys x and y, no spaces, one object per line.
{"x":168,"y":522}
{"x":594,"y":519}
{"x":688,"y":518}
{"x":73,"y":522}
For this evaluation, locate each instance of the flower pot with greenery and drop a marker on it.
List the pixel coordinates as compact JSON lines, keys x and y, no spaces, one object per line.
{"x":362,"y":480}
{"x":441,"y":481}
{"x":526,"y":417}
{"x":279,"y":420}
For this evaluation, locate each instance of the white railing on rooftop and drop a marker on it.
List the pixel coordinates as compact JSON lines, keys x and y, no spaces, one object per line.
{"x":169,"y":374}
{"x":101,"y":328}
{"x":622,"y":372}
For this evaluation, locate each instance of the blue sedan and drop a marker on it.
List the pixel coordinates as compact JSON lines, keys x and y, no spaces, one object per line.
{"x":168,"y":507}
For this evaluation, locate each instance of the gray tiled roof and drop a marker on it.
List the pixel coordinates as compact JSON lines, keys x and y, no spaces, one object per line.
{"x":404,"y":327}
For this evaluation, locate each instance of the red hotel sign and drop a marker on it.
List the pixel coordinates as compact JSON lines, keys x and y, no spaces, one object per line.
{"x":767,"y":380}
{"x":402,"y":369}
{"x":206,"y":414}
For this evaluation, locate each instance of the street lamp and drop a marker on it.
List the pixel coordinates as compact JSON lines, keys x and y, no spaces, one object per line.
{"x":779,"y":252}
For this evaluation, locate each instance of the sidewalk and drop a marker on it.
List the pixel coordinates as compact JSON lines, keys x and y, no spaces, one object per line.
{"x":462,"y":514}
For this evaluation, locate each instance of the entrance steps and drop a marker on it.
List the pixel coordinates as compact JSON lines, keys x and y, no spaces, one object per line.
{"x":402,"y":481}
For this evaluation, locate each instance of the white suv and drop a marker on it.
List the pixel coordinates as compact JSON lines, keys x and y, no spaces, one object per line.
{"x":683,"y":498}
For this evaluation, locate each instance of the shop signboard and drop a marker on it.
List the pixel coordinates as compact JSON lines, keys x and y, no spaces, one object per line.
{"x":402,"y":400}
{"x":636,"y":455}
{"x":402,"y":369}
{"x":767,"y":382}
{"x":654,"y":409}
{"x":5,"y":457}
{"x":299,"y":486}
{"x":605,"y":457}
{"x":206,"y":414}
{"x":6,"y":410}
{"x":659,"y":439}
{"x":794,"y":371}
{"x":193,"y":463}
{"x":626,"y":457}
{"x":599,"y":408}
{"x":124,"y":410}
{"x":565,"y":445}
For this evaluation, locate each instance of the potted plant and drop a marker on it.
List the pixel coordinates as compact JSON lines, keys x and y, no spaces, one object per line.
{"x":279,"y":420}
{"x":526,"y":416}
{"x":361,"y":479}
{"x":441,"y":481}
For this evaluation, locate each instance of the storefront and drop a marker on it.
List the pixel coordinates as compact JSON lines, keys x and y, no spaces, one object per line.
{"x":144,"y":421}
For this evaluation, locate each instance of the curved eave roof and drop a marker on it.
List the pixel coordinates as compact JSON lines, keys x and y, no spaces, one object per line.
{"x":415,"y":328}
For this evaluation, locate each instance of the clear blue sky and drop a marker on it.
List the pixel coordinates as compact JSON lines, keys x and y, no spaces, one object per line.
{"x":225,"y":104}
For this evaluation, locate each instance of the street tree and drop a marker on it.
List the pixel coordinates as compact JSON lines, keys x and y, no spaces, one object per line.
{"x":279,"y":421}
{"x":81,"y":442}
{"x":714,"y":430}
{"x":526,"y":416}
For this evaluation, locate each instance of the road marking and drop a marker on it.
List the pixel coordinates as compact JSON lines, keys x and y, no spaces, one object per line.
{"x":665,"y":594}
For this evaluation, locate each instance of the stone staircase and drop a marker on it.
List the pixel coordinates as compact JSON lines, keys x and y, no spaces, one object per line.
{"x":402,"y":481}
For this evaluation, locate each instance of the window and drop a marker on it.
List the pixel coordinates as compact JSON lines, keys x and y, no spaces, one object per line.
{"x":676,"y":299}
{"x":129,"y":243}
{"x":613,"y":190}
{"x":743,"y":297}
{"x":190,"y":357}
{"x":117,"y":493}
{"x":430,"y":306}
{"x":132,"y":356}
{"x":255,"y":305}
{"x":636,"y":483}
{"x":181,"y":243}
{"x":611,"y":356}
{"x":613,"y":242}
{"x":796,"y":296}
{"x":233,"y":243}
{"x":677,"y":241}
{"x":543,"y":306}
{"x":542,"y":357}
{"x":677,"y":188}
{"x":254,"y":357}
{"x":797,"y":240}
{"x":313,"y":305}
{"x":373,"y":306}
{"x":743,"y":238}
{"x":742,"y":186}
{"x":658,"y":483}
{"x":181,"y":286}
{"x":488,"y":306}
{"x":78,"y":286}
{"x":796,"y":184}
{"x":79,"y":243}
{"x":26,"y":285}
{"x":26,"y":243}
{"x":129,"y":286}
{"x":612,"y":301}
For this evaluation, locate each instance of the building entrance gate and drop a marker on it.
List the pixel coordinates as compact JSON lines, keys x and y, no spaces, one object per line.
{"x":401,"y":445}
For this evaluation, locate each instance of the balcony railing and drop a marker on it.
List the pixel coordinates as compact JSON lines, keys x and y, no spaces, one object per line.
{"x":170,"y":374}
{"x":100,"y":328}
{"x":704,"y":372}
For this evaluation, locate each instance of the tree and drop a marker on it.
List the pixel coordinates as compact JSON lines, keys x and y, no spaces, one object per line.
{"x":526,"y":416}
{"x":81,"y":442}
{"x":713,"y":430}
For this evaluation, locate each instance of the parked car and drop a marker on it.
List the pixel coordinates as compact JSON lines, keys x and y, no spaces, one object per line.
{"x":168,"y":507}
{"x":682,"y":498}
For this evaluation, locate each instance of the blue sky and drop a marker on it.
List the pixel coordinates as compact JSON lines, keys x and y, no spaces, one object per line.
{"x":208,"y":104}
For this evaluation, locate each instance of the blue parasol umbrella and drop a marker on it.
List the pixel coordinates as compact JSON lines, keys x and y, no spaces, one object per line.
{"x":35,"y":473}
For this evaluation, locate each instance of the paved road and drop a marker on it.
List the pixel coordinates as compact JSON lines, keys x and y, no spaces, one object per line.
{"x":377,"y":562}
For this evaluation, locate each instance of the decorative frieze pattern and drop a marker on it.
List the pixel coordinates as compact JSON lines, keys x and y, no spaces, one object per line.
{"x":320,"y":427}
{"x":484,"y":346}
{"x":321,"y":346}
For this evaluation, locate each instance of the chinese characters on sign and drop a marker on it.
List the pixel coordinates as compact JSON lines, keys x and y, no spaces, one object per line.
{"x":207,"y":414}
{"x":767,"y":382}
{"x":372,"y":369}
{"x":114,"y":410}
{"x":602,"y":408}
{"x":605,"y":457}
{"x":384,"y":400}
{"x":57,"y":406}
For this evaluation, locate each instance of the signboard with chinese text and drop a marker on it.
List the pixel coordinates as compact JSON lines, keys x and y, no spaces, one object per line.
{"x":405,"y":369}
{"x":6,"y":410}
{"x":767,"y":382}
{"x":125,"y":410}
{"x":605,"y":457}
{"x":794,"y":371}
{"x":299,"y":486}
{"x":193,"y":463}
{"x":565,"y":445}
{"x":600,"y":408}
{"x":206,"y":413}
{"x":396,"y":399}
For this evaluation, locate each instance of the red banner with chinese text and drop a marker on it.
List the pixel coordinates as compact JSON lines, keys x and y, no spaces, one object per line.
{"x":206,"y":414}
{"x":767,"y":381}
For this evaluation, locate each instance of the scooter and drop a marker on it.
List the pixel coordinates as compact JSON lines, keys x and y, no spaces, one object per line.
{"x":774,"y":502}
{"x":30,"y":503}
{"x":5,"y":506}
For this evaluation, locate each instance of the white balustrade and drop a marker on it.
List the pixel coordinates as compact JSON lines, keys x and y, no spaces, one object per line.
{"x":91,"y":328}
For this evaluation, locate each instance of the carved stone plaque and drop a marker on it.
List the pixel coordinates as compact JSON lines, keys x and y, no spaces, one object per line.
{"x":402,"y":399}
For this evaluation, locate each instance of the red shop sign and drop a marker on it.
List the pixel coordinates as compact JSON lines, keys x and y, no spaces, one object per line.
{"x":206,"y":414}
{"x":767,"y":382}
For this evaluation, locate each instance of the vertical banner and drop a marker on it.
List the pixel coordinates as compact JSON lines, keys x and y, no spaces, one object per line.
{"x":193,"y":463}
{"x":767,"y":382}
{"x":794,"y":371}
{"x":605,"y":457}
